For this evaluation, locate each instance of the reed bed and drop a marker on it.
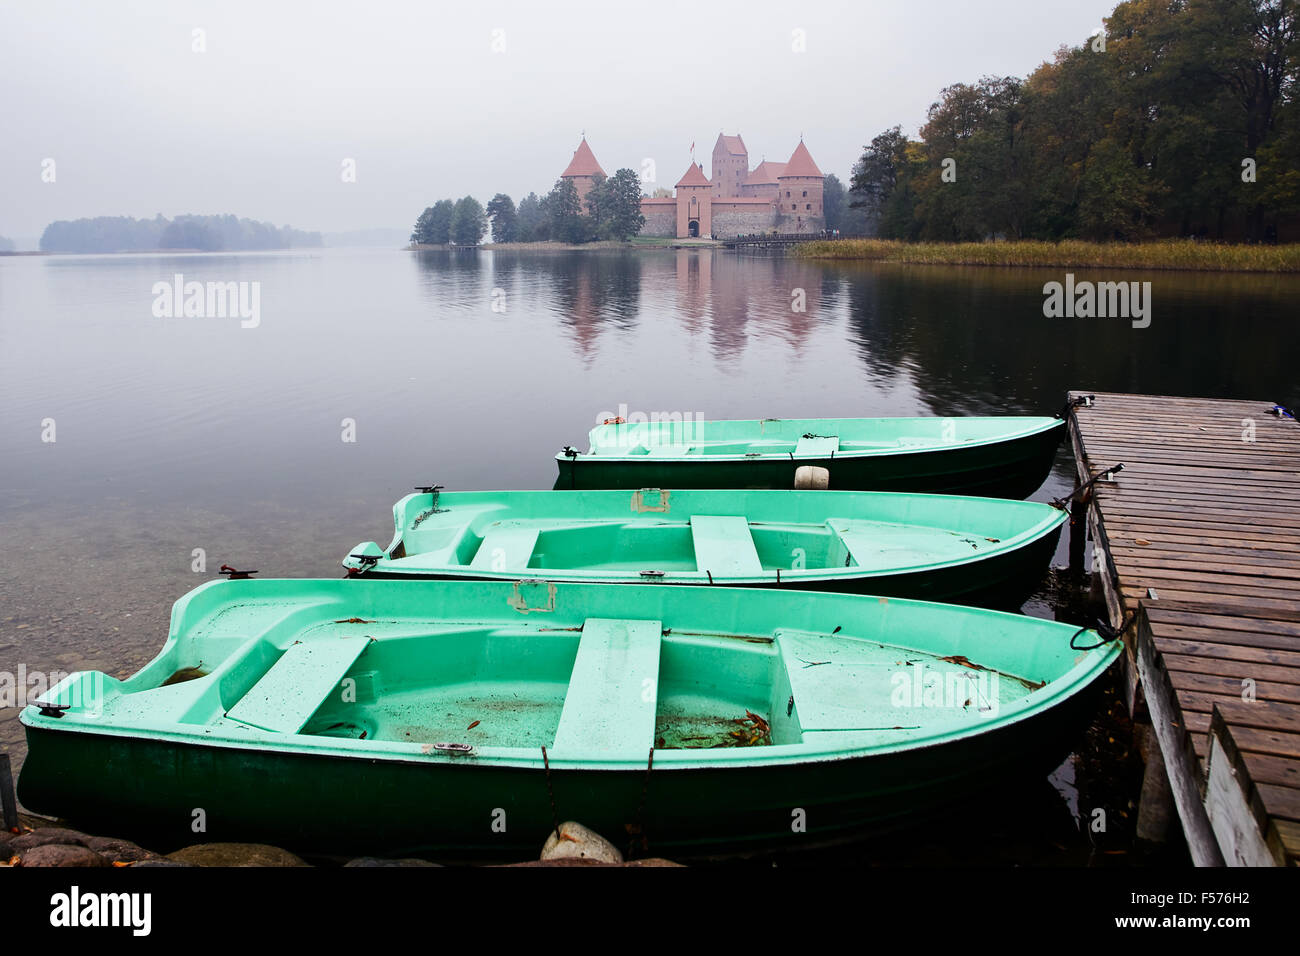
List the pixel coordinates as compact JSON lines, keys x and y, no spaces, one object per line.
{"x":1071,"y":253}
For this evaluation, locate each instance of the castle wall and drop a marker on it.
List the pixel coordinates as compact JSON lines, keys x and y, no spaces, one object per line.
{"x":660,"y":218}
{"x":732,"y":219}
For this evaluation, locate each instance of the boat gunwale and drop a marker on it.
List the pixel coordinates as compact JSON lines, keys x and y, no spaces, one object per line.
{"x":1088,"y":665}
{"x":1050,"y":523}
{"x":1046,"y":424}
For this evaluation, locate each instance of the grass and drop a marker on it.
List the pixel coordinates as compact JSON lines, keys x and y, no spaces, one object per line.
{"x":1070,"y":253}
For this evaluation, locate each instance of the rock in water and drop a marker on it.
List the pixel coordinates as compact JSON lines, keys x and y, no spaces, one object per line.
{"x":575,"y":840}
{"x":62,"y":854}
{"x":235,"y":854}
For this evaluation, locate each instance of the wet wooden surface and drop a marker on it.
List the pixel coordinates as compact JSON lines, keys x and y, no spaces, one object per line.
{"x":1200,"y":537}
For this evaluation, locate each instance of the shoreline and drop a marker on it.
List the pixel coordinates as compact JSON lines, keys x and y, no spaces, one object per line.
{"x":1173,"y":255}
{"x":554,"y":246}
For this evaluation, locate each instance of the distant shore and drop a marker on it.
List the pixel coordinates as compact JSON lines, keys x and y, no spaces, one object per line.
{"x":640,"y":242}
{"x":1186,"y":254}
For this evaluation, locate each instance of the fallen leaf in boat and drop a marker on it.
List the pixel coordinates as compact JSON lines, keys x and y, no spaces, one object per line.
{"x":1142,"y":542}
{"x":964,"y":661}
{"x":354,"y":620}
{"x":472,"y":726}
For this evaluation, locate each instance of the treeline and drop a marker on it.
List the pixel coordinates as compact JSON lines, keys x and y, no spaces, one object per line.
{"x":205,"y":233}
{"x":1179,"y":119}
{"x":612,"y":210}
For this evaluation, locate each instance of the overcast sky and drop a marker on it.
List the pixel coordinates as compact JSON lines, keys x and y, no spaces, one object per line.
{"x":137,"y":122}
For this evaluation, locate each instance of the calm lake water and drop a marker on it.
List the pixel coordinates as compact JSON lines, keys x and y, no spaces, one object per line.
{"x":471,"y":370}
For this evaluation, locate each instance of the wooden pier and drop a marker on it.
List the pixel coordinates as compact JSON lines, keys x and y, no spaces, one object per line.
{"x":1198,"y":540}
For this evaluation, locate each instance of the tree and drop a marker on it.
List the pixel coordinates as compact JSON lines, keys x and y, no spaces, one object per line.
{"x":532,"y":220}
{"x":434,"y":225}
{"x":834,"y":201}
{"x":563,"y":211}
{"x":505,"y":219}
{"x":468,"y":223}
{"x":615,"y":205}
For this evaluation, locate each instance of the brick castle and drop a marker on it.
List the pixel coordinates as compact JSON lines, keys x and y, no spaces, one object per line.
{"x":736,"y":200}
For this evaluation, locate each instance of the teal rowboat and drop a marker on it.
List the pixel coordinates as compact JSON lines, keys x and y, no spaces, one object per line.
{"x":1006,"y":457}
{"x":410,"y":717}
{"x":934,"y":547}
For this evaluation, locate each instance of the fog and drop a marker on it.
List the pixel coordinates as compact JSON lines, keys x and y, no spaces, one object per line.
{"x":259,"y":113}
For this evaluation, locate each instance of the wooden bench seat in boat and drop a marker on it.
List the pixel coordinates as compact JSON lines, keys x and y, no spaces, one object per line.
{"x":667,"y":451}
{"x":820,"y":446}
{"x":724,"y":546}
{"x":286,"y":696}
{"x":606,"y":712}
{"x":511,"y":545}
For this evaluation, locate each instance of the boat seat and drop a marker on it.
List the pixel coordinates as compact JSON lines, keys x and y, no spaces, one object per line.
{"x":297,"y":684}
{"x":667,"y":451}
{"x":606,"y":713}
{"x":513,"y":544}
{"x":724,"y":545}
{"x":819,"y":447}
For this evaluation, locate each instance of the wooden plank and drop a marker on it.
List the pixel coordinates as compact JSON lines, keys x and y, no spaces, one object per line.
{"x":1201,"y":533}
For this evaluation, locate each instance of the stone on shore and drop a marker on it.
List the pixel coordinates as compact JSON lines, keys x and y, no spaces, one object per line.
{"x":61,"y":854}
{"x":235,"y":854}
{"x":576,"y":841}
{"x":119,"y":851}
{"x":49,"y":836}
{"x":380,"y":861}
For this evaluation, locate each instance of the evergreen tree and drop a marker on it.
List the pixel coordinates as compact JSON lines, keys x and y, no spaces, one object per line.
{"x":564,"y":215}
{"x":505,"y":219}
{"x":468,"y":223}
{"x":532,"y":220}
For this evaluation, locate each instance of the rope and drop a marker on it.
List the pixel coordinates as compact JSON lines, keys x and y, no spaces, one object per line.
{"x":639,"y":829}
{"x":555,"y":820}
{"x":1062,"y":501}
{"x":1106,"y":632}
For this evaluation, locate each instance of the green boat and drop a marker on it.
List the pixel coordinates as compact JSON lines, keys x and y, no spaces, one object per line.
{"x":933,"y":547}
{"x":461,"y":719}
{"x":1005,"y":457}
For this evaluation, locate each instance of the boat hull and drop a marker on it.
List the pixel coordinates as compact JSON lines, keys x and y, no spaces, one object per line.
{"x":349,"y":805}
{"x":1004,"y":580}
{"x":1014,"y":468}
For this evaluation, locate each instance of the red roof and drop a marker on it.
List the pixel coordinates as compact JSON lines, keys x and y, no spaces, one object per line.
{"x":732,"y":144}
{"x":765,"y":172}
{"x":694,"y":176}
{"x":583,"y":162}
{"x":801,"y":163}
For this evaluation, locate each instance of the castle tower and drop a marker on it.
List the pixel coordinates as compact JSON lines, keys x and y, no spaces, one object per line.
{"x":582,"y":170}
{"x":730,"y":165}
{"x":799,"y":194}
{"x":694,"y":204}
